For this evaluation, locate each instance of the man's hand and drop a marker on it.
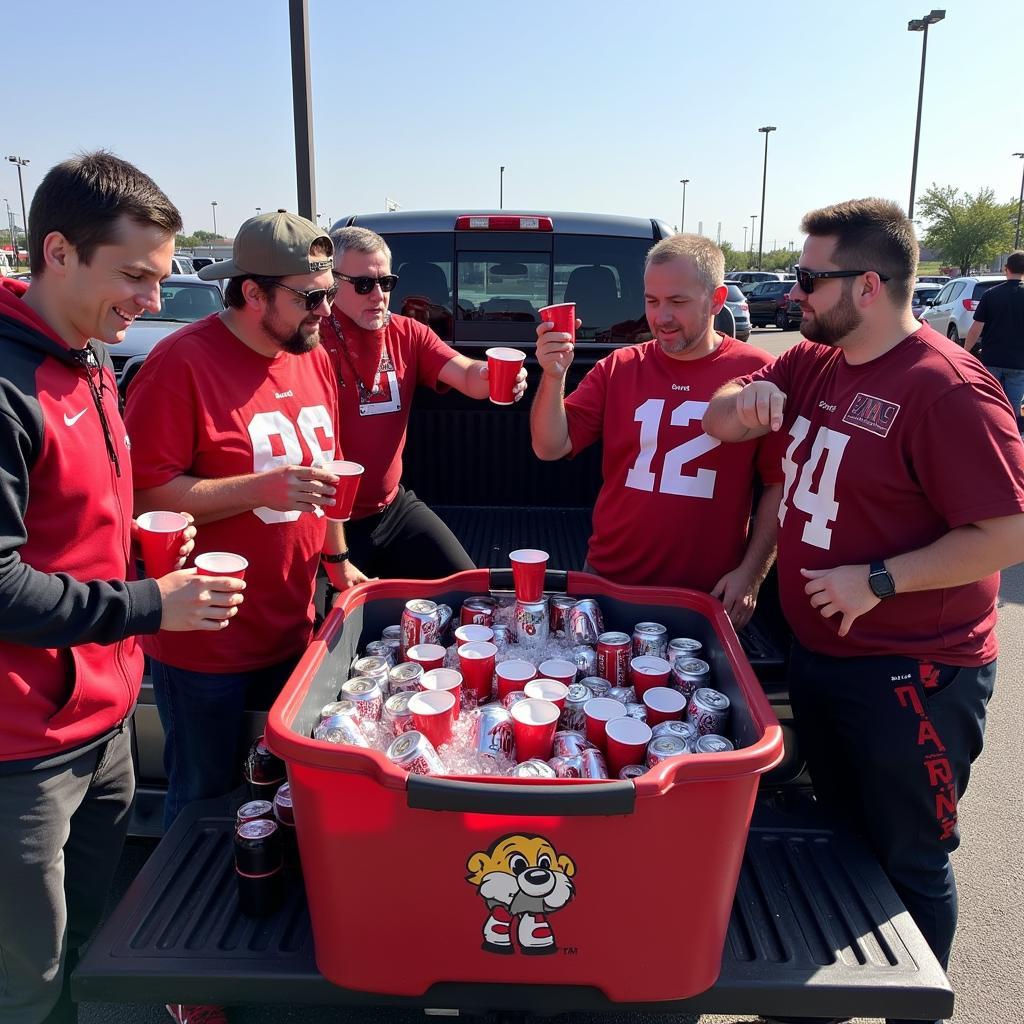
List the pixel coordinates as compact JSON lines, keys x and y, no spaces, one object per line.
{"x":295,"y":488}
{"x":842,"y":591}
{"x":760,"y":405}
{"x":737,"y":591}
{"x":191,"y":601}
{"x":554,"y":349}
{"x":344,"y":575}
{"x":518,"y":390}
{"x":189,"y":542}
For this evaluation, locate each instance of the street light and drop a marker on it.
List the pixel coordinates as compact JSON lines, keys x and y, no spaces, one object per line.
{"x":753,"y":217}
{"x":20,"y":162}
{"x":682,"y":215}
{"x":768,"y":129}
{"x":920,"y":25}
{"x":744,"y":237}
{"x":10,"y":227}
{"x":214,"y":205}
{"x":1020,"y":203}
{"x":501,"y":188}
{"x":259,"y":210}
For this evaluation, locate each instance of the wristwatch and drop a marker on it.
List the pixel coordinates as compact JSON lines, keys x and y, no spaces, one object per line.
{"x":880,"y":581}
{"x":341,"y":556}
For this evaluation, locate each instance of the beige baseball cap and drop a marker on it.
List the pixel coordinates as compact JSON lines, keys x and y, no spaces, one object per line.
{"x":273,"y":245}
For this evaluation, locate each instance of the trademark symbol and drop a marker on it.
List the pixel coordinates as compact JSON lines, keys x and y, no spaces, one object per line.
{"x":569,"y":951}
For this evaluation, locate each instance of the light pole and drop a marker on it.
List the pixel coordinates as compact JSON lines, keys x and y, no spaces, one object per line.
{"x":753,"y":217}
{"x":682,"y":214}
{"x":213,"y":204}
{"x":920,"y":25}
{"x":20,"y":162}
{"x":501,"y":187}
{"x":10,"y":227}
{"x":744,"y":237}
{"x":768,"y":129}
{"x":259,"y":210}
{"x":1020,"y":203}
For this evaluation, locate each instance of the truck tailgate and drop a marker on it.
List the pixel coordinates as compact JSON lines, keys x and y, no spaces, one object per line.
{"x":816,"y":929}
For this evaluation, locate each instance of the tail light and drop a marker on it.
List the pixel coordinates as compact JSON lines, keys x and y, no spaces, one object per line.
{"x":744,"y":307}
{"x":493,"y":222}
{"x":970,"y":304}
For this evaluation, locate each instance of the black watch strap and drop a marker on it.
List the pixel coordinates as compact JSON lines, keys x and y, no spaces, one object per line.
{"x":880,"y":580}
{"x":341,"y":556}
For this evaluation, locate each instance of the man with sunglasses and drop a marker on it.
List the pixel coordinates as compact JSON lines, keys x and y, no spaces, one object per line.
{"x":380,"y":358}
{"x":904,"y":497}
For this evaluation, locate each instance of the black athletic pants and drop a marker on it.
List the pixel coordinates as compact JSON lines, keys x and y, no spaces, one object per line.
{"x":889,"y":742}
{"x":405,"y":541}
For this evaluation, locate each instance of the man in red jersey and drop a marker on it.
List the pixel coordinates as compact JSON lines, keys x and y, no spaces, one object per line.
{"x":674,"y":505}
{"x":380,"y":358}
{"x":903,"y":498}
{"x":101,"y":238}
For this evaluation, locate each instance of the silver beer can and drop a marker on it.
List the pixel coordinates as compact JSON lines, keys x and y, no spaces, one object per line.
{"x":365,"y":693}
{"x":709,"y":711}
{"x":632,"y":771}
{"x":502,"y":634}
{"x":650,"y":638}
{"x":585,"y":622}
{"x":569,"y":743}
{"x":637,"y":711}
{"x":405,"y":676}
{"x":389,"y":633}
{"x":598,"y":685}
{"x":375,"y":668}
{"x":585,"y":659}
{"x":661,"y":748}
{"x":531,"y":622}
{"x":712,"y":744}
{"x":413,"y":752}
{"x":492,"y":731}
{"x":382,"y":649}
{"x":623,"y":694}
{"x":593,"y":764}
{"x":514,"y":697}
{"x":690,"y":674}
{"x":420,"y":624}
{"x":683,"y":647}
{"x":396,"y":712}
{"x":533,"y":769}
{"x":677,"y":727}
{"x":337,"y":707}
{"x":568,"y":767}
{"x":572,"y":716}
{"x":340,"y":723}
{"x":560,"y":604}
{"x":444,"y":621}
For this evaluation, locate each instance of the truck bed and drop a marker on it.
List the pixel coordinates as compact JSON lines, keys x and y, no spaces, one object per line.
{"x":816,"y":929}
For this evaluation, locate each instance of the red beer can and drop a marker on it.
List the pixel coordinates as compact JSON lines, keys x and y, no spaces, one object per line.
{"x":421,"y":624}
{"x":613,"y":656}
{"x":478,"y":611}
{"x":592,"y":764}
{"x":560,"y":605}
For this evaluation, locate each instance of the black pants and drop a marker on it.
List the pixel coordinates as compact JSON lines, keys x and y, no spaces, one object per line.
{"x":405,"y":541}
{"x":889,"y":742}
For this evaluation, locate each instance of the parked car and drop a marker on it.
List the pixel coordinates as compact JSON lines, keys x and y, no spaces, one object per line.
{"x":748,"y":279}
{"x":952,"y":310}
{"x":182,"y":265}
{"x":923,"y":296}
{"x":769,"y":304}
{"x":183,"y":300}
{"x":933,"y":279}
{"x":198,"y":262}
{"x":737,"y":302}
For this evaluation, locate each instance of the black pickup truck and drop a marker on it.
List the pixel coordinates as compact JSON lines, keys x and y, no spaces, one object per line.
{"x":816,"y":929}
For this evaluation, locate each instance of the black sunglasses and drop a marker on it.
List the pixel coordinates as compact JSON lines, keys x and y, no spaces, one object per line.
{"x":365,"y":285}
{"x":806,"y":278}
{"x":314,"y":298}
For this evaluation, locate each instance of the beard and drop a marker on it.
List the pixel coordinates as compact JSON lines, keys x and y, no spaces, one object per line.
{"x":298,"y":342}
{"x":830,"y":328}
{"x":687,"y":337}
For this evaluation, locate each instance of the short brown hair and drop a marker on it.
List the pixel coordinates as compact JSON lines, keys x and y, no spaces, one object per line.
{"x":706,"y":257}
{"x":233,"y":297}
{"x":871,"y":234}
{"x":1015,"y":262}
{"x":84,"y":197}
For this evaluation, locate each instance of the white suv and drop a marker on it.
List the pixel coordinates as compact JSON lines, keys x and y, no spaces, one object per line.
{"x":951,"y":312}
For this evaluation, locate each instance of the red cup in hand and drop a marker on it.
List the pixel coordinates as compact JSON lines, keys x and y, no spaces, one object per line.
{"x":647,"y":671}
{"x":430,"y":656}
{"x":161,"y":535}
{"x":528,"y":568}
{"x":626,"y":739}
{"x":512,"y":675}
{"x":503,"y":366}
{"x":563,"y":316}
{"x":444,"y":680}
{"x":548,"y":689}
{"x":349,"y":474}
{"x":221,"y":563}
{"x":663,"y":704}
{"x":599,"y":711}
{"x":433,"y":714}
{"x":476,"y":663}
{"x":533,"y":724}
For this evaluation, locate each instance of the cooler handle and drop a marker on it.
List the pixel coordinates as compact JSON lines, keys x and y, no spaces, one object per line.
{"x":432,"y":794}
{"x":555,"y":580}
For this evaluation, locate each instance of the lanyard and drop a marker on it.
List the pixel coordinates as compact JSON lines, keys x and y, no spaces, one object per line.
{"x":365,"y":393}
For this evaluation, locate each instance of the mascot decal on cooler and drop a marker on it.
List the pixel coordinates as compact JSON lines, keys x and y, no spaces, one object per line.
{"x":522,"y":880}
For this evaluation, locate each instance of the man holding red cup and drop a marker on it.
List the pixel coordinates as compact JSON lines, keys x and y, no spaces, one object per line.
{"x":667,"y":486}
{"x":380,"y":358}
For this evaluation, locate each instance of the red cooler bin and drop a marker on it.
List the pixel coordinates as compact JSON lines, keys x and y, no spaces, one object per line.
{"x":407,"y":875}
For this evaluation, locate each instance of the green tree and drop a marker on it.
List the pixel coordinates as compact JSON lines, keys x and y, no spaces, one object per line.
{"x":967,"y":232}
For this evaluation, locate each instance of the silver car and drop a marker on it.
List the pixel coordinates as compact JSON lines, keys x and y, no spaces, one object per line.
{"x":737,"y":302}
{"x":951,"y":312}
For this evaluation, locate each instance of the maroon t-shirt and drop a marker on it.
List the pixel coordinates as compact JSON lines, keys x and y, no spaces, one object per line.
{"x":884,"y":458}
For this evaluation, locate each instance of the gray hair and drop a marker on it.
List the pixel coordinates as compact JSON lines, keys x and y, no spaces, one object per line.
{"x":706,"y":257}
{"x":358,"y":240}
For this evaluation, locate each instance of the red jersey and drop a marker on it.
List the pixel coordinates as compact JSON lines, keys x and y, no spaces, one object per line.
{"x":378,"y":372}
{"x":205,"y":404}
{"x":884,"y":458}
{"x":675,"y":503}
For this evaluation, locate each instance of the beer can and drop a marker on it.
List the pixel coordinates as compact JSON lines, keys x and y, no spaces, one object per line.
{"x":569,"y":743}
{"x":709,"y":711}
{"x":263,"y":771}
{"x":365,"y":693}
{"x":414,"y":753}
{"x":560,"y":604}
{"x":533,"y":769}
{"x":405,"y":676}
{"x":492,"y":731}
{"x":254,"y":810}
{"x":623,"y":694}
{"x":420,"y":624}
{"x":650,"y":638}
{"x":637,"y":711}
{"x":258,"y":846}
{"x":677,"y":727}
{"x":572,"y":716}
{"x":502,"y":634}
{"x":712,"y":744}
{"x":396,"y":713}
{"x":585,"y":621}
{"x":382,"y":649}
{"x":683,"y":647}
{"x":593,"y":764}
{"x":632,"y":771}
{"x":598,"y":685}
{"x":531,"y":622}
{"x":690,"y":674}
{"x":661,"y":748}
{"x":284,"y":812}
{"x":390,"y":633}
{"x":513,"y":698}
{"x":340,"y":723}
{"x":478,"y":611}
{"x":567,"y":767}
{"x":613,"y":657}
{"x":444,"y":623}
{"x":375,"y":668}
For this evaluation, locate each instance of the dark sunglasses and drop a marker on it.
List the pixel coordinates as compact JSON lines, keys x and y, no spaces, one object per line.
{"x":312,"y":299}
{"x":365,"y":285}
{"x":806,"y":278}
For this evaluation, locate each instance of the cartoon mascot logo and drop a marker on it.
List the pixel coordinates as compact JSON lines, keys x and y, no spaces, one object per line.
{"x":521,"y":877}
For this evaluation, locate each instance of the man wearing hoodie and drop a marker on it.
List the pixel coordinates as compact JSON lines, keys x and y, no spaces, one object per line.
{"x":101,"y":240}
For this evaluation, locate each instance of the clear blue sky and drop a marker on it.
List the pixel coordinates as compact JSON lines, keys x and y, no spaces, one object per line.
{"x":589,"y":105}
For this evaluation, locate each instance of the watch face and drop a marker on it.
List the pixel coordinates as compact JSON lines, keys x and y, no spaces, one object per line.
{"x":881,"y":584}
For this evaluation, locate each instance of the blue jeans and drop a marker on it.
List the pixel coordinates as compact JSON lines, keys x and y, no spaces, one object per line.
{"x":202,"y":714}
{"x":1013,"y":384}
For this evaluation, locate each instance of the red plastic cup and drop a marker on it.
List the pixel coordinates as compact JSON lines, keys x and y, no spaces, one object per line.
{"x":221,"y":563}
{"x":548,"y":689}
{"x":528,"y":568}
{"x":626,"y":740}
{"x":558,"y":668}
{"x":663,"y":704}
{"x":503,"y":366}
{"x":533,"y":724}
{"x":646,"y":671}
{"x":161,"y":535}
{"x":513,"y":674}
{"x":473,"y":633}
{"x":444,"y":680}
{"x":476,"y":663}
{"x":599,"y":711}
{"x":430,"y":656}
{"x":563,"y":316}
{"x":349,"y":474}
{"x":433,"y":714}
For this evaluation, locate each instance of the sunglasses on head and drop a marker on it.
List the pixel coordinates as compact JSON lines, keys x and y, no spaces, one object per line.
{"x":313,"y":299}
{"x":806,"y":278}
{"x":364,"y":285}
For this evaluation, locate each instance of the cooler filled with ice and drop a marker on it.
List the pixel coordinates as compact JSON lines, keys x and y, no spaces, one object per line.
{"x":549,"y":789}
